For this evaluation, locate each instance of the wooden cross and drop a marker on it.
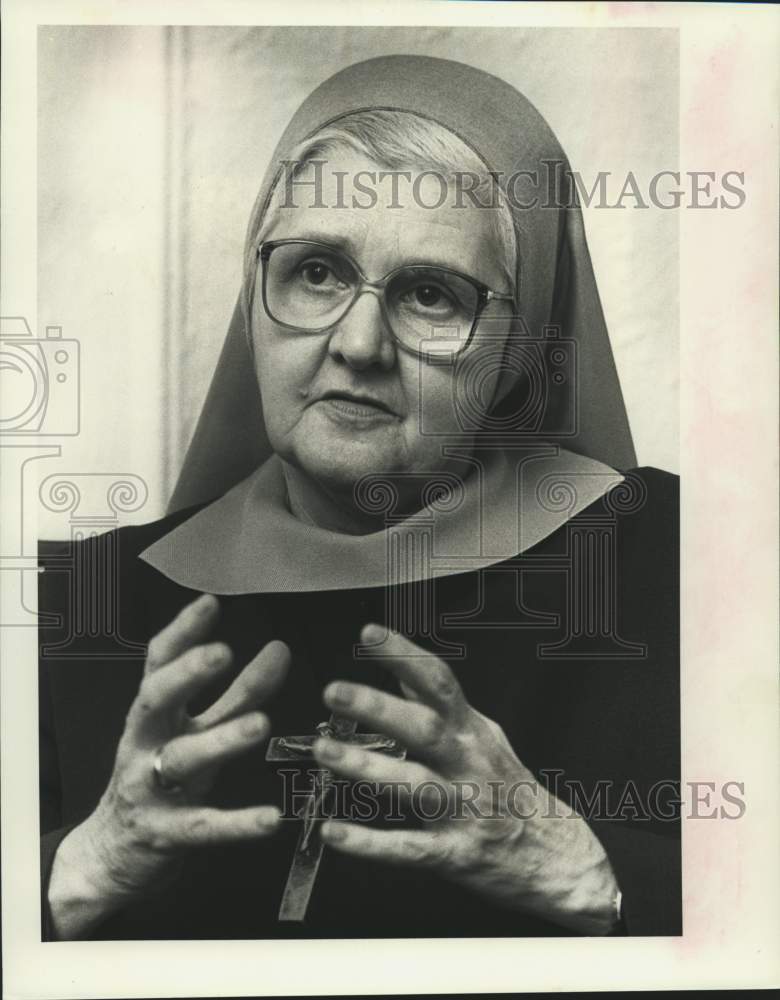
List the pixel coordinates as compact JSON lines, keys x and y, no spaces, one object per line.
{"x":308,"y":851}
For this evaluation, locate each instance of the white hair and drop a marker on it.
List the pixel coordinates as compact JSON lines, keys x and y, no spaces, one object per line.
{"x":402,"y":140}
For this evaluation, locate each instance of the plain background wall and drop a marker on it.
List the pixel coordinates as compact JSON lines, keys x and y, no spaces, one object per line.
{"x":153,"y":142}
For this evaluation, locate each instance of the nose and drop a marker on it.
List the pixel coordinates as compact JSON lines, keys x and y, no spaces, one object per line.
{"x":361,"y":338}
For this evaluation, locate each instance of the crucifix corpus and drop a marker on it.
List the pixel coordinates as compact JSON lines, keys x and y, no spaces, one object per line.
{"x":308,"y":851}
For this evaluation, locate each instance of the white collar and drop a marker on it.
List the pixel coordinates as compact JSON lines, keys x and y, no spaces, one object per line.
{"x":247,"y":541}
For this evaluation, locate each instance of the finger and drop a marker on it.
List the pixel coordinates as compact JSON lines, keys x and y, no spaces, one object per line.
{"x":367,"y":765}
{"x":186,"y":756}
{"x":190,"y":627}
{"x":417,"y":726}
{"x":195,"y":827}
{"x":173,"y":685}
{"x":253,"y":686}
{"x":419,"y":848}
{"x":426,"y":674}
{"x":408,"y":692}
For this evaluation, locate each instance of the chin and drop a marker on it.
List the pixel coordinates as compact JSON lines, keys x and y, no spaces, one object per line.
{"x":338,"y":467}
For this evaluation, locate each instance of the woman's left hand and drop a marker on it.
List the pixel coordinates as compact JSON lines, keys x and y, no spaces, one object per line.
{"x":493,"y":828}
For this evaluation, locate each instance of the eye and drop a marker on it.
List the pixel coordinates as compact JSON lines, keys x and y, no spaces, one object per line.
{"x":428,"y":295}
{"x":315,"y":272}
{"x":318,"y":276}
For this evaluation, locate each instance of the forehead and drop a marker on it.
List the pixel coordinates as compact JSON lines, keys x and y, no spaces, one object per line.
{"x":385,"y":218}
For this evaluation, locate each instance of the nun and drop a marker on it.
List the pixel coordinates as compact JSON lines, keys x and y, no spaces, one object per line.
{"x":402,"y":658}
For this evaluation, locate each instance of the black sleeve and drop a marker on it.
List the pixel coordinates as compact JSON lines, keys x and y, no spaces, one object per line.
{"x":52,"y":830}
{"x":638,"y":705}
{"x":647,"y":868}
{"x":69,"y":786}
{"x":646,"y":855}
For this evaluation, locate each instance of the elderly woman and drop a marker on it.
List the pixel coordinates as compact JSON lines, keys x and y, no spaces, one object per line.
{"x":410,"y":630}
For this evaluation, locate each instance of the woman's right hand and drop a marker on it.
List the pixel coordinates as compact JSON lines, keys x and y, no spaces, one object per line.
{"x":134,"y":841}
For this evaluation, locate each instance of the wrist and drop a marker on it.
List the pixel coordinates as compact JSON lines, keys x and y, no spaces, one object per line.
{"x":584,"y":894}
{"x":80,"y":892}
{"x":593,"y":905}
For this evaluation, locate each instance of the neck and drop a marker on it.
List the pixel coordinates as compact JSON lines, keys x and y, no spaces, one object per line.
{"x":310,"y":502}
{"x":314,"y":503}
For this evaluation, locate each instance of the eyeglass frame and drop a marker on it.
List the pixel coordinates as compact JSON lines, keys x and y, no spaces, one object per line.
{"x":485,"y":294}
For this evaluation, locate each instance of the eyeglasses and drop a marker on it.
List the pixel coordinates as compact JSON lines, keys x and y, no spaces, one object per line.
{"x":430,"y":310}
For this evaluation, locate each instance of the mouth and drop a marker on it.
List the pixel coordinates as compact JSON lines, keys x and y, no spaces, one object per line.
{"x":358,"y":404}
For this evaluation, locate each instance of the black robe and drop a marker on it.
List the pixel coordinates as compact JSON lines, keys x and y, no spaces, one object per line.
{"x":585,"y":686}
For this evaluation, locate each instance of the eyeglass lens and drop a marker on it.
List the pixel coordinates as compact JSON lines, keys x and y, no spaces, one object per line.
{"x":311,"y":287}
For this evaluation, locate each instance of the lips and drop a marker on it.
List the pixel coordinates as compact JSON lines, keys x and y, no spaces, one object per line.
{"x":358,"y":400}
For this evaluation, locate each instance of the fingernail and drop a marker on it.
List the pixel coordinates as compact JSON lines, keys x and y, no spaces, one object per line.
{"x":205,"y":603}
{"x":267,"y":821}
{"x":334,"y":831}
{"x":373,"y":633}
{"x":217,"y":656}
{"x":339,"y":694}
{"x":254,"y":725}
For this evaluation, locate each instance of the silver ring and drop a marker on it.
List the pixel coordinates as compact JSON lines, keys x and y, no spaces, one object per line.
{"x":160,"y":781}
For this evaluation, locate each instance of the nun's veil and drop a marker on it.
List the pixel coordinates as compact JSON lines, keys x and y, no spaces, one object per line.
{"x":555,"y":282}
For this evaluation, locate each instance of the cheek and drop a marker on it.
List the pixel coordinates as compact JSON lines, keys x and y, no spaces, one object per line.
{"x":430,"y":400}
{"x":284,"y":367}
{"x":444,"y":400}
{"x":475,"y":386}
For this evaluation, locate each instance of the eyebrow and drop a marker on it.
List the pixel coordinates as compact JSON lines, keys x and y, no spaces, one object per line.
{"x":346,"y":245}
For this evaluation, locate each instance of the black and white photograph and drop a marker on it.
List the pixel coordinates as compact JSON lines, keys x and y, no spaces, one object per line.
{"x":367,"y":446}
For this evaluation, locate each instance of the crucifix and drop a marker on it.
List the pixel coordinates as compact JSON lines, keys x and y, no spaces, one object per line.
{"x":308,"y":851}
